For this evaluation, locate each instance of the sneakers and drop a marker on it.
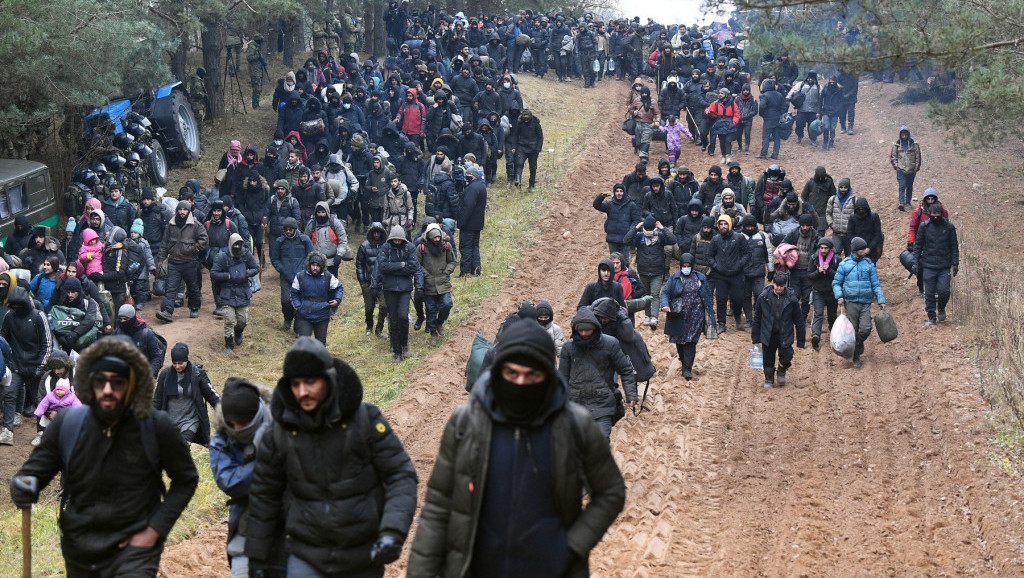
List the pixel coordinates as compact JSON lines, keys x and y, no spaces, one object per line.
{"x":721,"y":327}
{"x":18,"y":420}
{"x":396,"y":358}
{"x":762,"y":157}
{"x":856,"y":362}
{"x":165,"y":316}
{"x":724,"y":161}
{"x":419,"y":324}
{"x":739,"y":325}
{"x":369,"y":331}
{"x":647,"y":321}
{"x":687,"y":374}
{"x":769,"y":378}
{"x":780,"y":377}
{"x":929,"y":323}
{"x":531,"y":189}
{"x":902,"y":208}
{"x":942,"y":316}
{"x":36,"y":440}
{"x":815,"y":341}
{"x":193,"y":314}
{"x":654,"y":323}
{"x":7,"y":437}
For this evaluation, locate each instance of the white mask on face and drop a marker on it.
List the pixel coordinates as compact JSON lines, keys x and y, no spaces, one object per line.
{"x":506,"y":84}
{"x":686,"y":270}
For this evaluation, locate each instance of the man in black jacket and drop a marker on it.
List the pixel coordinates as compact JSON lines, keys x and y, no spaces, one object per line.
{"x":771,"y":108}
{"x":728,"y":257}
{"x":605,"y":286}
{"x":347,"y":515}
{"x":471,"y":224}
{"x":527,"y":142}
{"x":183,"y":390}
{"x":937,"y":253}
{"x":115,"y":513}
{"x":776,"y":318}
{"x":26,"y":329}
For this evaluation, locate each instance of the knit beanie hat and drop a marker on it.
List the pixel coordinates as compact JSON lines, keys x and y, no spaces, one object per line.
{"x":844,"y":182}
{"x":137,"y":226}
{"x":857,"y":243}
{"x":179,"y":353}
{"x":71,"y":226}
{"x":240,"y":400}
{"x":128,"y":311}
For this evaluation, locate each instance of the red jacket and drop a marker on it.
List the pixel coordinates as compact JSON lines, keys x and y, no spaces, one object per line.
{"x":917,"y":218}
{"x":717,"y":110}
{"x":412,"y":117}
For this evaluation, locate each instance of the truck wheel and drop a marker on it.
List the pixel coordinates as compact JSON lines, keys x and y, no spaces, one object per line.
{"x":157,"y":164}
{"x":177,"y":129}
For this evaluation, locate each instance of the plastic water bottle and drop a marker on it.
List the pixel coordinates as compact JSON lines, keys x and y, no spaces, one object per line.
{"x":756,"y":358}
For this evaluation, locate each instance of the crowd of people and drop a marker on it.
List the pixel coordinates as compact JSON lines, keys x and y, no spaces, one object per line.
{"x":319,"y":483}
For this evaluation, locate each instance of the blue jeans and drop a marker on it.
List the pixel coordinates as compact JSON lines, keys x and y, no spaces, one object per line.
{"x":299,"y":568}
{"x":829,"y":122}
{"x":14,"y":395}
{"x":906,"y":181}
{"x":437,"y":307}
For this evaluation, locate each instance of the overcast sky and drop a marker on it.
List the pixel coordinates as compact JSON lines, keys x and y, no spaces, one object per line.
{"x":668,"y":11}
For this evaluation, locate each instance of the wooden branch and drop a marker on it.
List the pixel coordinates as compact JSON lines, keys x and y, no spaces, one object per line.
{"x":166,"y":17}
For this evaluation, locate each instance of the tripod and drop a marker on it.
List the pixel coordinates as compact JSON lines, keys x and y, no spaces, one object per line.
{"x":231,"y":70}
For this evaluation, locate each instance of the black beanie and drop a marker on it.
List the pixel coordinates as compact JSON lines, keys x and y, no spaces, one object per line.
{"x":527,"y":343}
{"x":527,"y":310}
{"x":307,"y":357}
{"x":240,"y":400}
{"x":544,"y":308}
{"x":806,"y":219}
{"x":179,"y":353}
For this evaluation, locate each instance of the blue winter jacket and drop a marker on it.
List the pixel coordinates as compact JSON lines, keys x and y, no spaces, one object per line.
{"x":397,"y":268}
{"x":311,"y":295}
{"x":856,"y":281}
{"x":233,"y":274}
{"x":623,"y":215}
{"x":289,"y":255}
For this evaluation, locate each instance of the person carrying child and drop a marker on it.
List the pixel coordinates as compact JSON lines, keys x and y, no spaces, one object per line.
{"x":61,"y":397}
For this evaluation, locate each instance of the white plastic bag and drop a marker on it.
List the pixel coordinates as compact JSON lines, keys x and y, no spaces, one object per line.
{"x":842,"y":337}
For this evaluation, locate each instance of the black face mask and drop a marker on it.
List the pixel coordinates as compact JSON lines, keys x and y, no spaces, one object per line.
{"x":937,"y":219}
{"x":520,"y":403}
{"x":321,"y":219}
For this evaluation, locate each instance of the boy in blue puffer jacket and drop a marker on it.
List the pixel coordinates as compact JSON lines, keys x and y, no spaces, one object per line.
{"x":855,"y":287}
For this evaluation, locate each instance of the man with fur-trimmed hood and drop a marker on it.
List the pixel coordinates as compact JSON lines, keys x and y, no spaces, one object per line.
{"x":115,"y":513}
{"x":347,"y":515}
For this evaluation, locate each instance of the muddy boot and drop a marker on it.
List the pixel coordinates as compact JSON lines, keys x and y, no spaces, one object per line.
{"x":781,"y":376}
{"x":769,"y":377}
{"x":228,"y":345}
{"x":238,"y":337}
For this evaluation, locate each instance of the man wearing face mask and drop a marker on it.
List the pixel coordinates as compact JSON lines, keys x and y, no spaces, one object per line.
{"x":122,"y":442}
{"x":937,"y":252}
{"x":288,"y":255}
{"x":529,"y":451}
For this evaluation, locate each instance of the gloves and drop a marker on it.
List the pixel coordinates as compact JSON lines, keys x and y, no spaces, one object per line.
{"x":25,"y":491}
{"x":956,"y":269}
{"x":386,"y":549}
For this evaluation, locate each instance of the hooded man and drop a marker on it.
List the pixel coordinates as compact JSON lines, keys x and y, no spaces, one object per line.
{"x":867,"y":225}
{"x":591,"y":363}
{"x":288,"y":256}
{"x":315,"y":295}
{"x":20,"y":238}
{"x":27,"y":331}
{"x":817,"y":191}
{"x":345,"y":516}
{"x":530,"y":452}
{"x":397,"y":272}
{"x":777,"y":318}
{"x":471,"y":222}
{"x":142,"y":335}
{"x":366,"y":260}
{"x":438,"y":262}
{"x":115,"y":511}
{"x":184,"y":391}
{"x":937,"y":252}
{"x":905,"y":158}
{"x":232,"y":272}
{"x":527,"y":140}
{"x":728,"y":258}
{"x":604,"y":286}
{"x":328,"y":236}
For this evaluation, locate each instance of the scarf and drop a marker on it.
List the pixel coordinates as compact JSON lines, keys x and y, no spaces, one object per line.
{"x":234,"y":153}
{"x":247,"y":435}
{"x":436,"y":248}
{"x":650,"y":237}
{"x":824,"y":262}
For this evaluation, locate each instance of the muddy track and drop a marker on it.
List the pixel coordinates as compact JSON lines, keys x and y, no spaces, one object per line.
{"x":886,"y":471}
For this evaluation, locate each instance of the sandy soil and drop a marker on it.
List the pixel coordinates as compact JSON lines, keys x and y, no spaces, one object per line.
{"x":885,"y":471}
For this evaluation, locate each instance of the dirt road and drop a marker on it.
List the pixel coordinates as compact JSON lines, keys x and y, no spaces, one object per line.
{"x":885,"y":471}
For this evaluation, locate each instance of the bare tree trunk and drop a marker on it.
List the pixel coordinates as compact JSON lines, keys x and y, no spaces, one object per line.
{"x":292,"y":41}
{"x":179,"y":57}
{"x":213,"y":54}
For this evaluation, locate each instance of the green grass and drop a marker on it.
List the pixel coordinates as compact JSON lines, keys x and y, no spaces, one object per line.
{"x":511,"y":214}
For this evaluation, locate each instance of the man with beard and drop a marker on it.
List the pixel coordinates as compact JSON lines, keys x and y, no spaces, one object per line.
{"x":184,"y":240}
{"x":288,"y":256}
{"x":531,"y":519}
{"x":344,"y":516}
{"x":115,"y":512}
{"x":232,"y":272}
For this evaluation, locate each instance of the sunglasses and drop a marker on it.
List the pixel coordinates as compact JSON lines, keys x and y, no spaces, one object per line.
{"x":116,"y":383}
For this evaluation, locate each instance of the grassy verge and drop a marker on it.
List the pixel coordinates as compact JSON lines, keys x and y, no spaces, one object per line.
{"x":511,"y":214}
{"x":993,"y":311}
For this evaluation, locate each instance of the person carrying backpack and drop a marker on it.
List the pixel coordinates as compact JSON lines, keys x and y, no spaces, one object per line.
{"x":149,"y":342}
{"x":116,"y":512}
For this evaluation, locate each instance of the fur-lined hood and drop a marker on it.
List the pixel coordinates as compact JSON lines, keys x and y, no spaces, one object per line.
{"x":265,"y":391}
{"x":140,"y":397}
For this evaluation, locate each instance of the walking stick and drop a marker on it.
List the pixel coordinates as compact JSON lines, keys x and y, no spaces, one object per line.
{"x":28,"y":484}
{"x":643,"y":407}
{"x":696,"y":125}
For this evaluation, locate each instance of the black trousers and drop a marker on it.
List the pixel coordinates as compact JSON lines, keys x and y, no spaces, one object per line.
{"x":687,"y":353}
{"x":773,"y":347}
{"x":398,"y":319}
